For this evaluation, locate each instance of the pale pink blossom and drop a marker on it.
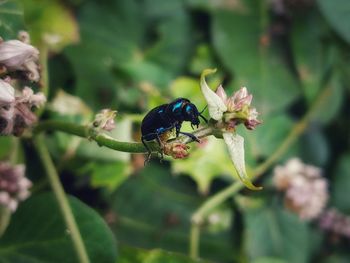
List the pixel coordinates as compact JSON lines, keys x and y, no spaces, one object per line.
{"x":306,"y":191}
{"x":16,"y":110}
{"x":17,"y":55}
{"x":14,"y":186}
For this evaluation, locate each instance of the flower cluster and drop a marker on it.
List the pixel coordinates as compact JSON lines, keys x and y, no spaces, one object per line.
{"x":230,"y":110}
{"x":16,"y":107}
{"x":15,"y":110}
{"x":335,"y":222}
{"x":16,"y":55}
{"x":306,"y":191}
{"x":227,"y":113}
{"x":14,"y":186}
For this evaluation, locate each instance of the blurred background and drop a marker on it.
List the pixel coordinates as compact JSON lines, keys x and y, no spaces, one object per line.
{"x":133,"y":55}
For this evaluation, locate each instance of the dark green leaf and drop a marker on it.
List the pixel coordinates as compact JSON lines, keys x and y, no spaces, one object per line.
{"x":154,"y":210}
{"x":11,"y":19}
{"x":341,"y":184}
{"x":337,"y":13}
{"x":272,"y":232}
{"x":255,"y":64}
{"x":37,"y":234}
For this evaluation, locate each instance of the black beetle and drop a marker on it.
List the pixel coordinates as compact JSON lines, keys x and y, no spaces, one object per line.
{"x":164,"y":118}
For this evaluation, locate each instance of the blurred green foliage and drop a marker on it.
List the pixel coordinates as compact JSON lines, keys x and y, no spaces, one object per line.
{"x":132,"y":55}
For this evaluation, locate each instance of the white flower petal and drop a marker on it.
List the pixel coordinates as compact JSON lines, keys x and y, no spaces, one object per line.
{"x":216,"y":105}
{"x":235,"y":145}
{"x":7,"y":92}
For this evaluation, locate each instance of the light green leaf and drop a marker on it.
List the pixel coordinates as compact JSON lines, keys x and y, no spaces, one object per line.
{"x":235,"y":145}
{"x":110,"y":175}
{"x":216,"y":105}
{"x":50,"y":23}
{"x":137,"y":255}
{"x":37,"y":234}
{"x":122,"y":132}
{"x":205,"y":163}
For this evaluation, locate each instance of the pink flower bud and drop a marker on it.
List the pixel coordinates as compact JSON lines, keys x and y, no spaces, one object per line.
{"x":176,"y":150}
{"x":105,"y":120}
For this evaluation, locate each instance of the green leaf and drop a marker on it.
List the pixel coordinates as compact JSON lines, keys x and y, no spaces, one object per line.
{"x":110,"y":175}
{"x":11,"y":19}
{"x":309,"y":52}
{"x":92,"y":150}
{"x":333,"y":102}
{"x":37,"y":234}
{"x":154,"y":209}
{"x":266,"y":138}
{"x":257,"y":66}
{"x":337,"y":13}
{"x":235,"y":145}
{"x":341,"y":184}
{"x":269,"y":260}
{"x":205,"y":163}
{"x":50,"y":23}
{"x":137,"y":255}
{"x":272,"y":232}
{"x":119,"y":51}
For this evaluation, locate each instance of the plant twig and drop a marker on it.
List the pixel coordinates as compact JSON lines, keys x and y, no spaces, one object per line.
{"x":61,"y":199}
{"x":104,"y":140}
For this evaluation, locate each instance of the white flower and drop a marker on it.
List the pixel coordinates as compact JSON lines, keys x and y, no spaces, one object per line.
{"x":16,"y":111}
{"x":229,"y":112}
{"x":7,"y":93}
{"x":17,"y":55}
{"x":216,"y":105}
{"x":232,"y":110}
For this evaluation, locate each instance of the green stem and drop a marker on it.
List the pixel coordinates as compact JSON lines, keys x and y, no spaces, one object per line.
{"x":61,"y":198}
{"x":84,"y":131}
{"x":44,"y":75}
{"x":195,"y":238}
{"x":214,"y":201}
{"x":105,"y":140}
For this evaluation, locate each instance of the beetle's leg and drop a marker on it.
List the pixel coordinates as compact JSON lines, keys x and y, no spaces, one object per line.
{"x":193,"y":137}
{"x":161,"y":147}
{"x":177,"y":128}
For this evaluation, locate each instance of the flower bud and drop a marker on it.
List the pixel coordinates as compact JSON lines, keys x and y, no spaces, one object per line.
{"x":176,"y":150}
{"x":105,"y":120}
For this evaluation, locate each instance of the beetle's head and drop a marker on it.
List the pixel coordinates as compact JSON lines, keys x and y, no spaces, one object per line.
{"x":191,"y":113}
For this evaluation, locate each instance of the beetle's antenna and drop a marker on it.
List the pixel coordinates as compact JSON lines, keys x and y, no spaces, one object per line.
{"x":206,"y":106}
{"x":200,"y":114}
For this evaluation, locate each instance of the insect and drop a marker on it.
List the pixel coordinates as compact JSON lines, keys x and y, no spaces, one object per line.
{"x":161,"y":120}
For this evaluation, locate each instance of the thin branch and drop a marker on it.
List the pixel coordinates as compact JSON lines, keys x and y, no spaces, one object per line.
{"x":61,"y":199}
